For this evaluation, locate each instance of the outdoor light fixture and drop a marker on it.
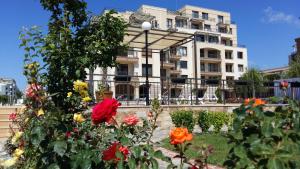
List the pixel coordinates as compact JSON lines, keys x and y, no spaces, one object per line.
{"x":146,"y":26}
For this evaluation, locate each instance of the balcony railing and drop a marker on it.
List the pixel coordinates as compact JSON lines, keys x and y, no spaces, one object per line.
{"x":127,"y":58}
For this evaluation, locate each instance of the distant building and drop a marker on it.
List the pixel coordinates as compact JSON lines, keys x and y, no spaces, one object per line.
{"x":8,"y":88}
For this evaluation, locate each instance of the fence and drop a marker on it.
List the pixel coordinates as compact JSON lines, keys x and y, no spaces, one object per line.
{"x":131,"y":90}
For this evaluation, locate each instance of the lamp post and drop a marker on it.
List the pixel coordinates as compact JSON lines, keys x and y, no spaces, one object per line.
{"x":146,"y":26}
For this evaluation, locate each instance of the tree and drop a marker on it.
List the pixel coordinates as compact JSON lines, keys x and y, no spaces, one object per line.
{"x":255,"y":81}
{"x":294,"y":69}
{"x":3,"y":99}
{"x":74,"y":43}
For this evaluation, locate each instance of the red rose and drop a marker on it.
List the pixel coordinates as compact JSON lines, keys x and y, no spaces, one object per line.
{"x":13,"y":116}
{"x":284,"y":85}
{"x":110,"y":152}
{"x":131,"y":120}
{"x":105,"y":110}
{"x":68,"y":134}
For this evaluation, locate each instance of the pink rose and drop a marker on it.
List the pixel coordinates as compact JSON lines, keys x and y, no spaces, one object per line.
{"x":32,"y":90}
{"x":131,"y":120}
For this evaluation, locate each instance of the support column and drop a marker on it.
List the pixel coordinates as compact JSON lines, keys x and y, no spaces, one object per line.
{"x":196,"y":69}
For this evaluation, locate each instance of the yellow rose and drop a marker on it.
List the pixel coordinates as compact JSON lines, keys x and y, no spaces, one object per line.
{"x":40,"y":112}
{"x":80,"y":85}
{"x":16,"y":137}
{"x":86,"y":99}
{"x":9,"y":163}
{"x":18,"y":152}
{"x":78,"y":118}
{"x":69,"y":94}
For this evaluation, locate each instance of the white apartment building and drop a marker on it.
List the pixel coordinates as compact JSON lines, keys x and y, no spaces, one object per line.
{"x":219,"y":56}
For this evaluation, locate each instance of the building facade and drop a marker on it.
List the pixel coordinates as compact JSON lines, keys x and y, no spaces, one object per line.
{"x":219,"y":56}
{"x":8,"y":88}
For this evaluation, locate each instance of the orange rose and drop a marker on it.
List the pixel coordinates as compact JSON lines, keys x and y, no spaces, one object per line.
{"x":180,"y":135}
{"x":257,"y":102}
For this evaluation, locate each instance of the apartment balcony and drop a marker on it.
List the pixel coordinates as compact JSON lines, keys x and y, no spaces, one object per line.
{"x":175,"y":57}
{"x":127,"y":59}
{"x":121,"y":76}
{"x":215,"y":58}
{"x":167,"y":65}
{"x":175,"y":71}
{"x":211,"y":72}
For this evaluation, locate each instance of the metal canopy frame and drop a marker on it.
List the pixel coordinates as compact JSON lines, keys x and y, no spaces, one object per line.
{"x":157,"y":39}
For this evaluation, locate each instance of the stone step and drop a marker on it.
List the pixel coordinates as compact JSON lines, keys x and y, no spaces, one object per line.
{"x":5,"y":110}
{"x":5,"y":123}
{"x":4,"y":116}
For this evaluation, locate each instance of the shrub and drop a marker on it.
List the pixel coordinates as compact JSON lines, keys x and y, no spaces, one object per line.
{"x":183,"y":118}
{"x":217,"y":119}
{"x":265,"y":139}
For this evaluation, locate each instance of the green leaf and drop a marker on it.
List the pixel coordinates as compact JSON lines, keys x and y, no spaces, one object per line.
{"x":240,"y":152}
{"x":60,"y":147}
{"x":274,"y":163}
{"x":137,"y":152}
{"x":131,"y":163}
{"x":154,"y":163}
{"x":158,"y":154}
{"x":53,"y":166}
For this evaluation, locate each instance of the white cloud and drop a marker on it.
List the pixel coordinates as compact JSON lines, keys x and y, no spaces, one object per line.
{"x":273,"y":16}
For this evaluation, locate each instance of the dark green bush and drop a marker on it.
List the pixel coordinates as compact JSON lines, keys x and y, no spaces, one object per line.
{"x":183,"y":118}
{"x":217,"y":119}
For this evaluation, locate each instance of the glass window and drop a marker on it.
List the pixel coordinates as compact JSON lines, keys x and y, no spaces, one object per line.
{"x":181,"y":23}
{"x":202,"y":67}
{"x":195,"y":26}
{"x":213,"y":67}
{"x":229,"y":67}
{"x":200,"y":38}
{"x":183,"y":64}
{"x":204,"y":15}
{"x":228,"y":54}
{"x":169,"y":23}
{"x":207,"y":27}
{"x":154,"y":24}
{"x":202,"y":53}
{"x":182,"y":51}
{"x":122,"y":69}
{"x":149,"y":69}
{"x":240,"y":55}
{"x":213,"y":39}
{"x":241,"y":68}
{"x":220,"y":19}
{"x":195,"y":14}
{"x":213,"y":54}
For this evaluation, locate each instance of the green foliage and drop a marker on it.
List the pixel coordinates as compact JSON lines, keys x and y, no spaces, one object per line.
{"x":3,"y":99}
{"x":217,"y":119}
{"x":255,"y":81}
{"x":265,"y":139}
{"x":294,"y":67}
{"x":183,"y":118}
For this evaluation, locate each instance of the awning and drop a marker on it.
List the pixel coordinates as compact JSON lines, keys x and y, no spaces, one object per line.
{"x":157,"y":39}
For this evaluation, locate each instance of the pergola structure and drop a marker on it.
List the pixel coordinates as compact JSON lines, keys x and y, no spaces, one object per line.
{"x":158,"y":41}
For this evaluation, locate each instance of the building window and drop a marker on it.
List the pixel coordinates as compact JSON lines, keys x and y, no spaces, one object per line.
{"x":228,"y":54}
{"x":122,"y":69}
{"x":213,"y":54}
{"x":229,"y":67}
{"x":202,"y":53}
{"x":163,"y":72}
{"x":207,"y":27}
{"x":220,"y":19}
{"x":202,"y":67}
{"x":182,"y":51}
{"x":195,"y":26}
{"x":200,"y":38}
{"x":204,"y":15}
{"x":195,"y":14}
{"x":149,"y":69}
{"x":154,"y":24}
{"x":169,"y":23}
{"x":240,"y":55}
{"x":213,"y":39}
{"x":241,"y":68}
{"x":222,"y":30}
{"x":213,"y":67}
{"x":183,"y":64}
{"x":181,"y":23}
{"x":230,"y":78}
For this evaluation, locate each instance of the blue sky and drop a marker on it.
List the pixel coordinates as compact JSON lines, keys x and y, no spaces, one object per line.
{"x":267,"y":27}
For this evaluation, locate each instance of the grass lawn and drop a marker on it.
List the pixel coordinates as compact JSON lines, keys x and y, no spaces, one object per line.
{"x":218,"y":141}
